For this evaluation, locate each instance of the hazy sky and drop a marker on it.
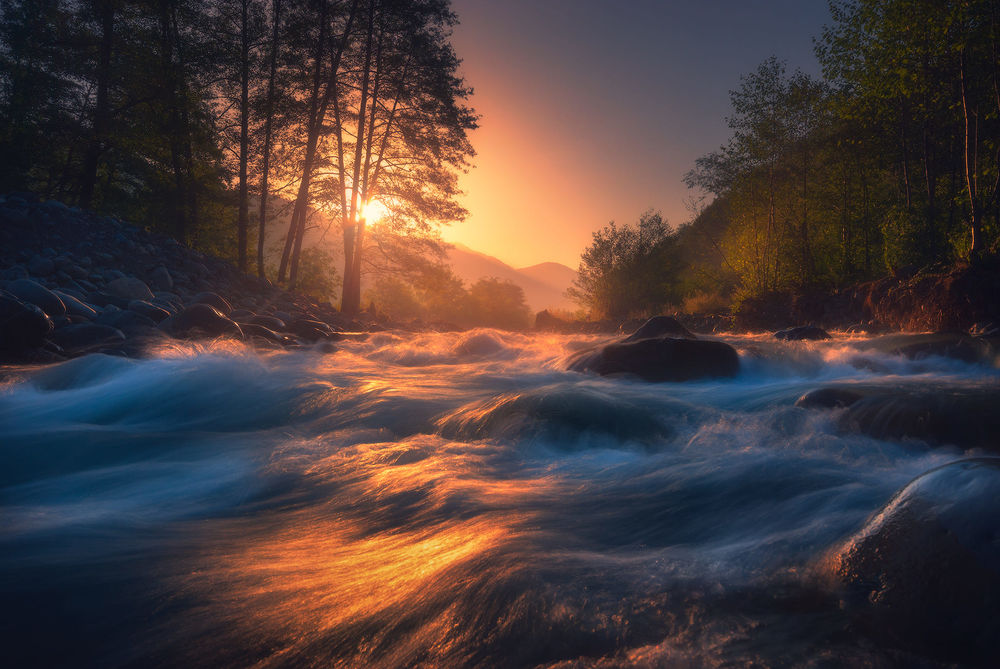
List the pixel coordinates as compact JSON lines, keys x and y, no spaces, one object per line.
{"x":593,"y":110}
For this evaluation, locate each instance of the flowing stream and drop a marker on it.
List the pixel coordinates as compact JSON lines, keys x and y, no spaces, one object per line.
{"x":440,"y":500}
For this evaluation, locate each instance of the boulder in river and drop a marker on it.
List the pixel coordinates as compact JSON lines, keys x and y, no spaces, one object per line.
{"x":200,"y":319}
{"x":27,"y":290}
{"x":22,"y":325}
{"x":220,"y":303}
{"x":75,"y":307}
{"x":967,"y":418}
{"x":270,"y":322}
{"x":828,"y":398}
{"x":85,"y":336}
{"x":924,"y":572}
{"x":150,"y":311}
{"x":662,"y":359}
{"x":660,"y":326}
{"x":802,"y":333}
{"x":130,"y":288}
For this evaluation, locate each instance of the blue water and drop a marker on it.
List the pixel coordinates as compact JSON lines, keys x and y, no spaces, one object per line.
{"x":439,"y":500}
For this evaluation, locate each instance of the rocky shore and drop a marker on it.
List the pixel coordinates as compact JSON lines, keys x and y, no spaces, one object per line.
{"x":73,"y":282}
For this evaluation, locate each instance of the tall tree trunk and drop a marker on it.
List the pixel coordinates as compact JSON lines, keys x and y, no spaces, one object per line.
{"x":268,"y":121}
{"x":312,"y":130}
{"x":102,"y":108}
{"x":971,"y":181}
{"x":328,"y":94}
{"x":172,"y":102}
{"x":350,"y":300}
{"x":243,"y":217}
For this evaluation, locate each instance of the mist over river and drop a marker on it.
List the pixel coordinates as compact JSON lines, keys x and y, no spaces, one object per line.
{"x":444,"y":500}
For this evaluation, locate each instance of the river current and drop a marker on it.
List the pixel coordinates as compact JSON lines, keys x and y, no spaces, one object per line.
{"x":440,"y":500}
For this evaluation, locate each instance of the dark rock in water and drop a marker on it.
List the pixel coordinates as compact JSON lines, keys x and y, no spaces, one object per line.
{"x":27,"y":290}
{"x":828,"y":398}
{"x":270,"y":322}
{"x":102,"y":299}
{"x":965,"y":418}
{"x":558,"y":414}
{"x":75,"y":307}
{"x":660,"y":326}
{"x":663,"y":359}
{"x":41,"y":266}
{"x":254,"y":330}
{"x":130,"y":288}
{"x":129,"y":322}
{"x":22,"y":325}
{"x":215,"y":300}
{"x":201,"y":319}
{"x":86,"y":336}
{"x":309,"y":330}
{"x":284,"y":316}
{"x":924,"y":573}
{"x":242,"y":315}
{"x":160,"y":279}
{"x":802,"y":333}
{"x":948,"y":345}
{"x":150,"y":311}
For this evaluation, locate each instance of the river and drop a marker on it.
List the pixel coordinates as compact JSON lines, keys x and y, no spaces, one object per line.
{"x":440,"y":500}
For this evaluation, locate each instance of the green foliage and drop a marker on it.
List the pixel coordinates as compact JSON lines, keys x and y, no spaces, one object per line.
{"x":628,"y":270}
{"x":890,"y":161}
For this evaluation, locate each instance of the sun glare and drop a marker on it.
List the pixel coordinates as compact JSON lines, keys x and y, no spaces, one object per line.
{"x":373,"y":211}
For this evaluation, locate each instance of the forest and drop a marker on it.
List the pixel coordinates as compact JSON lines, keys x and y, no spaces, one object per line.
{"x":887,"y":163}
{"x":242,"y":127}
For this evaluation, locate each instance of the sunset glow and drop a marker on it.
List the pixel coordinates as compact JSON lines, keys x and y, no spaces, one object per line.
{"x":373,"y":211}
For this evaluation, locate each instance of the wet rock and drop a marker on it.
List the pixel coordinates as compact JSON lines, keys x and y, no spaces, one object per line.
{"x":201,"y":319}
{"x":86,"y":336}
{"x":254,"y":330}
{"x":76,"y":307}
{"x":828,"y":398}
{"x":160,"y":279}
{"x":309,"y":330}
{"x":129,"y":288}
{"x":103,"y":300}
{"x":41,"y":266}
{"x":802,"y":333}
{"x":660,"y":326}
{"x":215,"y":300}
{"x":948,"y":345}
{"x":129,"y":322}
{"x":22,"y":325}
{"x":150,"y":311}
{"x":664,"y":359}
{"x":966,"y":418}
{"x":924,"y":573}
{"x":27,"y":290}
{"x":241,"y":315}
{"x":270,"y":322}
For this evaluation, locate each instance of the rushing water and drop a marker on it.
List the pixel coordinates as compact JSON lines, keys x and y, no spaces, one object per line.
{"x":438,"y":499}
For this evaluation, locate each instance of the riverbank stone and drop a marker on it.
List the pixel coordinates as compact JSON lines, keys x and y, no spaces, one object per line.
{"x":924,"y":572}
{"x":27,"y":290}
{"x":662,"y":359}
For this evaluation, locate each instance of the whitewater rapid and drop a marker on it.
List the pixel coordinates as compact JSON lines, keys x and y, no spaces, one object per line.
{"x":439,"y":500}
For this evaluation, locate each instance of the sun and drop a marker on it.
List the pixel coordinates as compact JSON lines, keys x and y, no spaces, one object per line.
{"x":373,"y":211}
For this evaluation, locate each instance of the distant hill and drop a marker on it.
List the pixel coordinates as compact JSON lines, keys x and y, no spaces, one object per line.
{"x":544,"y":284}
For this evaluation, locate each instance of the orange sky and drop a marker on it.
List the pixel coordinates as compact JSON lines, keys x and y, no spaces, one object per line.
{"x":593,"y":110}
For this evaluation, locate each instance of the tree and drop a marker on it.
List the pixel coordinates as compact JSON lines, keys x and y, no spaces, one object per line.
{"x":628,"y":270}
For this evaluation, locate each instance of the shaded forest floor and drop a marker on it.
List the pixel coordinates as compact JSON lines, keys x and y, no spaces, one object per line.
{"x":75,"y":282}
